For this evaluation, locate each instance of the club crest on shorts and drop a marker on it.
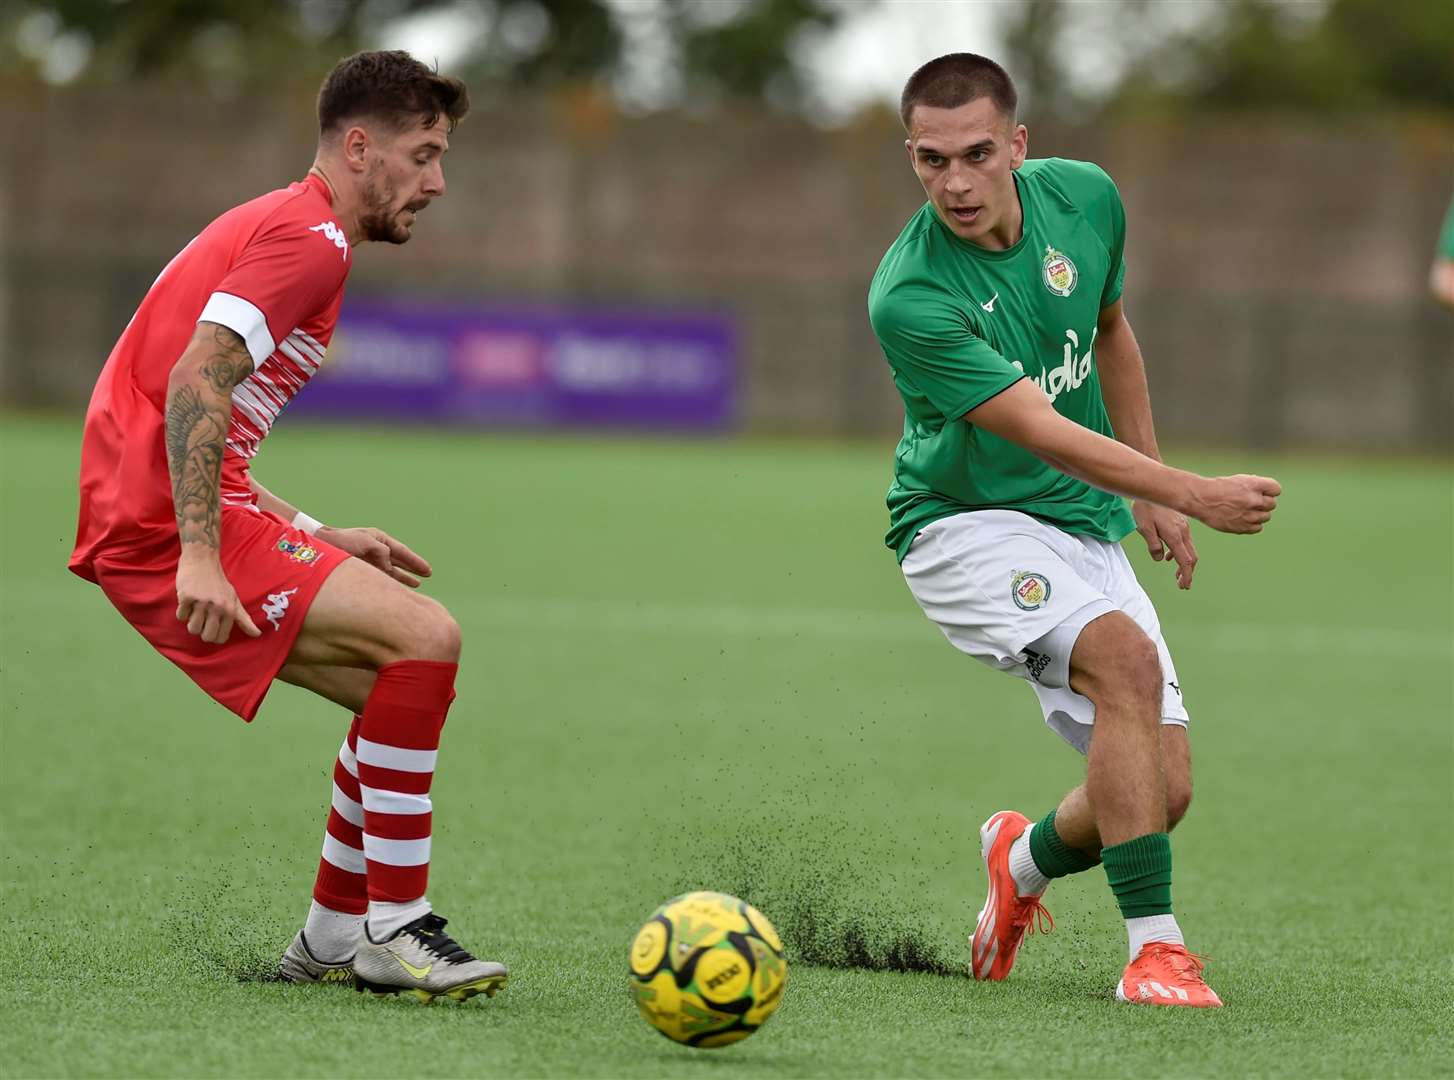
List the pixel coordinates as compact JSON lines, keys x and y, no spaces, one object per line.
{"x":1030,"y":591}
{"x":1059,"y":272}
{"x":304,"y":553}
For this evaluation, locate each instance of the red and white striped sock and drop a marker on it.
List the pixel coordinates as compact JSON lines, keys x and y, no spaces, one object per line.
{"x":398,"y":743}
{"x":340,"y":891}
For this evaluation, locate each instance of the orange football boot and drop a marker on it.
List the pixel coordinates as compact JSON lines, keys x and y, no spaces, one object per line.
{"x":1007,"y":916}
{"x":1166,"y":974}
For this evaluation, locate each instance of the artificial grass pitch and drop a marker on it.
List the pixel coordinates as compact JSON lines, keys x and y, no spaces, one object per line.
{"x":693,"y":665}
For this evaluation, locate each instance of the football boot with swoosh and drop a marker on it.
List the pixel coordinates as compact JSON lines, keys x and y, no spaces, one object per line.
{"x":1007,"y":916}
{"x":421,"y":959}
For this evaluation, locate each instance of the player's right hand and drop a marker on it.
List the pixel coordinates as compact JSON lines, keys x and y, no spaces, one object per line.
{"x":207,"y":602}
{"x":1237,"y":504}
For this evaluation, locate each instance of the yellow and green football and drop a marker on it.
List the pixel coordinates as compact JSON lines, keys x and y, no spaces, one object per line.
{"x":707,"y":969}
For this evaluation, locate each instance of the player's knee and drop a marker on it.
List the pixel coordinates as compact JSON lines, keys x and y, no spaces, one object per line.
{"x":1142,"y":665}
{"x":1178,"y":800}
{"x":422,"y":629}
{"x":438,"y":636}
{"x":1126,"y":670}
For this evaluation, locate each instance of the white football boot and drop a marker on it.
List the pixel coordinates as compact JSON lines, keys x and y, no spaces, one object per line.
{"x":299,"y":965}
{"x":421,"y":959}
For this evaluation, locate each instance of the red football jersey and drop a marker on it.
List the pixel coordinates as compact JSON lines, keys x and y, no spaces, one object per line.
{"x":273,"y":271}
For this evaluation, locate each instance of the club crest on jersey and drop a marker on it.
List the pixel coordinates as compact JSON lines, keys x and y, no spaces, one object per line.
{"x":1030,"y":591}
{"x":1059,"y":272}
{"x":334,"y":233}
{"x":299,"y":552}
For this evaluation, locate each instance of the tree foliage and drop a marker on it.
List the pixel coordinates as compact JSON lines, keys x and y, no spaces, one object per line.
{"x":1358,"y":55}
{"x":749,"y":55}
{"x":739,"y":48}
{"x":1322,"y":55}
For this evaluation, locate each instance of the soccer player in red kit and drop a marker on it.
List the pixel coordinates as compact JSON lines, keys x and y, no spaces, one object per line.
{"x":236,"y":586}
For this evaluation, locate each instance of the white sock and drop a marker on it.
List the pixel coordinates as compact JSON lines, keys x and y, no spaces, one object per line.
{"x":1029,"y":881}
{"x":386,"y":920}
{"x":332,"y":936}
{"x":1153,"y":928}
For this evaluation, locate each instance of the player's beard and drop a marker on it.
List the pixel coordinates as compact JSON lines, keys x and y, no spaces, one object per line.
{"x":380,"y":220}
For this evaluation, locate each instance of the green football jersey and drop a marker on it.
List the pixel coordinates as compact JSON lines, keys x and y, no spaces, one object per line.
{"x":959,"y":324}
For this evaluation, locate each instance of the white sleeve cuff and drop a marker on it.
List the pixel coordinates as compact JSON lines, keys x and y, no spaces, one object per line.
{"x":309,"y":525}
{"x":242,"y":318}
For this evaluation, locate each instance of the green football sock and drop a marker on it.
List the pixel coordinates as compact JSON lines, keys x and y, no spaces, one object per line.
{"x":1140,"y":875}
{"x":1053,"y":857}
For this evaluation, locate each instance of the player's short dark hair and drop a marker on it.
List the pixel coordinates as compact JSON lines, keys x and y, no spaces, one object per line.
{"x":956,"y":79}
{"x":390,"y":86}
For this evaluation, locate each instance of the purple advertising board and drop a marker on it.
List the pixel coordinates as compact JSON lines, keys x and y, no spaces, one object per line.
{"x":494,"y":366}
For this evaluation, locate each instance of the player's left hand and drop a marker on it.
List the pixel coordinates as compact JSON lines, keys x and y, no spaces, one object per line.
{"x":1167,"y":536}
{"x":379,"y":549}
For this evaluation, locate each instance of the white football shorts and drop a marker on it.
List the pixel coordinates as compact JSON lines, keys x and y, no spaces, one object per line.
{"x":1014,"y":592}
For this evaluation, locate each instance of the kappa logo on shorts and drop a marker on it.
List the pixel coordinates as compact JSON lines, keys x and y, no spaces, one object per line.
{"x":277,"y":606}
{"x":1030,"y":591}
{"x":304,"y":553}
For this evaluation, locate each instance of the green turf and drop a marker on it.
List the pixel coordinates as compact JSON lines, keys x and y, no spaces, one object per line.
{"x":693,"y":664}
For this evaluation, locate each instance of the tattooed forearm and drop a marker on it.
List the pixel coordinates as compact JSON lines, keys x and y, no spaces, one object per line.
{"x":199,"y":410}
{"x":196,"y":434}
{"x":228,"y":363}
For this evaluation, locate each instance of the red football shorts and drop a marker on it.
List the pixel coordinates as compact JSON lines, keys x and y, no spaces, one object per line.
{"x":276,"y":571}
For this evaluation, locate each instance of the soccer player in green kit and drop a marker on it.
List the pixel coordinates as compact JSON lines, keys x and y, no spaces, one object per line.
{"x":1027,"y":419}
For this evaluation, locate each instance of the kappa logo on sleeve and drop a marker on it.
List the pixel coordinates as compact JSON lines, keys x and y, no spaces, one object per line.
{"x":334,"y":233}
